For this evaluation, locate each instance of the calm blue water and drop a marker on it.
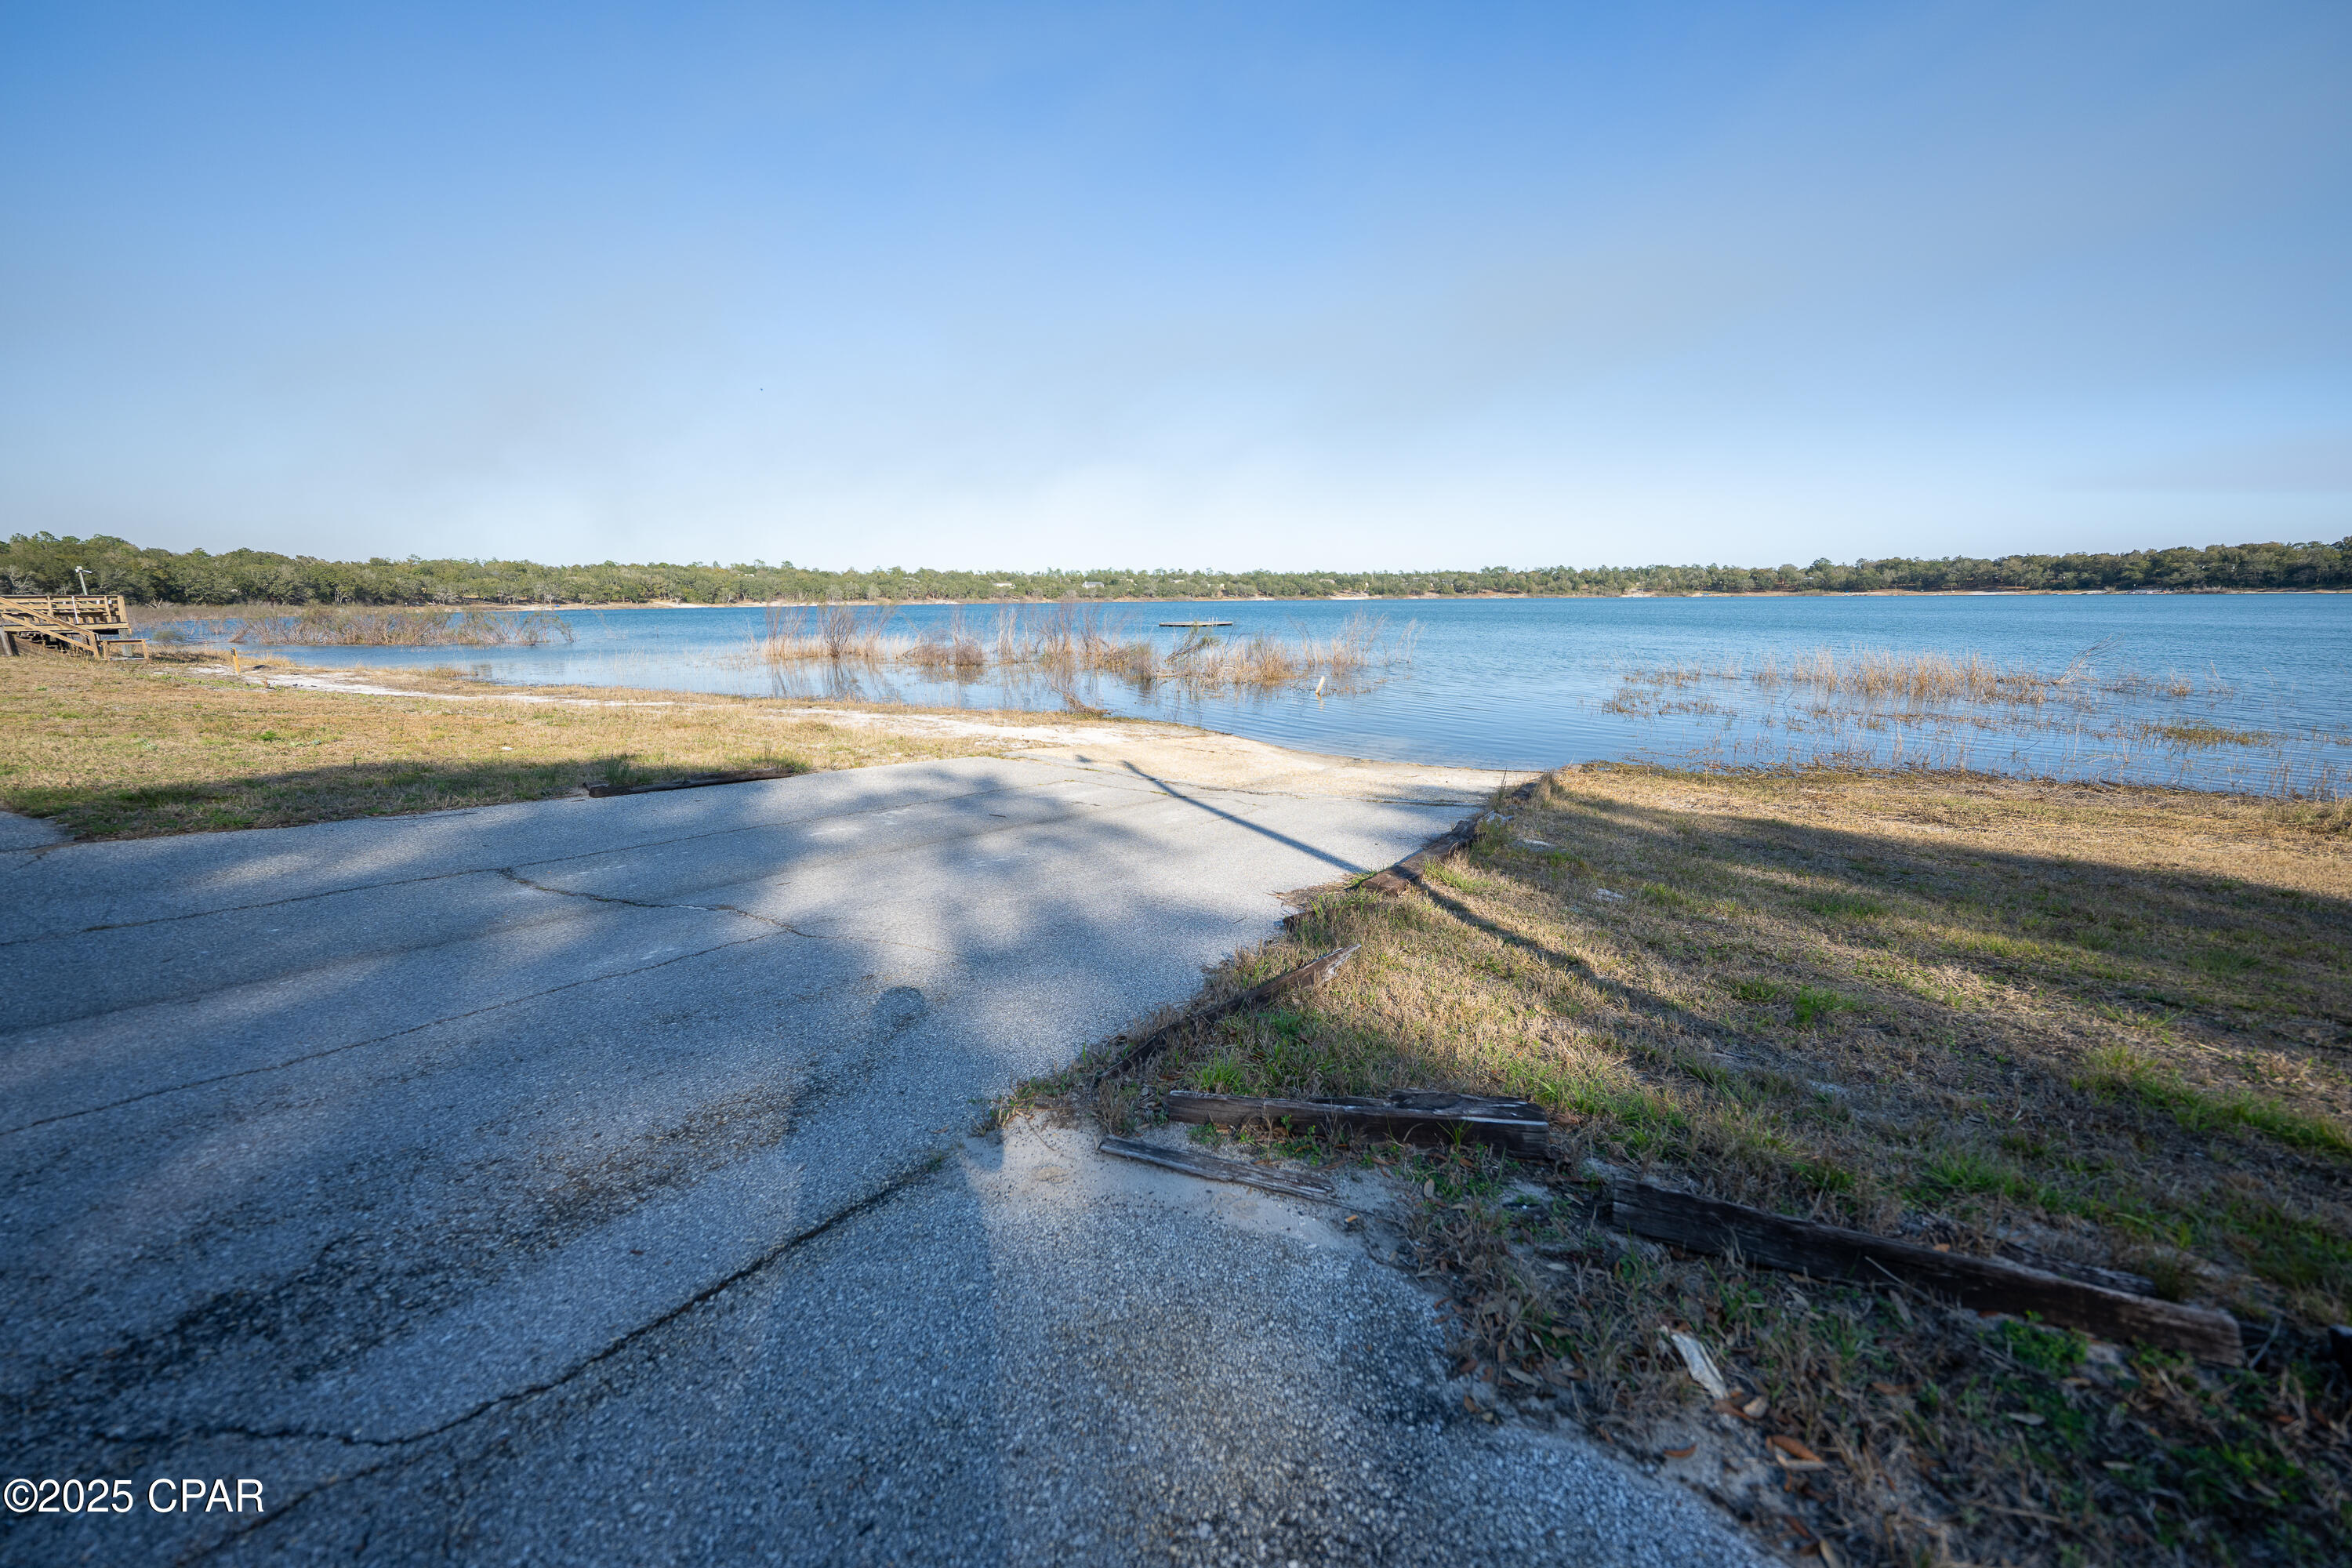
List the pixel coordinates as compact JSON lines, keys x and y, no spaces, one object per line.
{"x":1532,"y":683}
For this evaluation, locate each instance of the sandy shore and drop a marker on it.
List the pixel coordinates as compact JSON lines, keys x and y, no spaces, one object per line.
{"x":1169,"y":753}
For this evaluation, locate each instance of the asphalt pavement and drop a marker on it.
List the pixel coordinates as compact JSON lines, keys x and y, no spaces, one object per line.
{"x":596,"y":1181}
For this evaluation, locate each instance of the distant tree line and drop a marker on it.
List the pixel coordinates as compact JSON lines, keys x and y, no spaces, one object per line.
{"x":44,"y":563}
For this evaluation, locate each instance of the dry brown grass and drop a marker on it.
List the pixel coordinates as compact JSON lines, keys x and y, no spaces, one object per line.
{"x":953,"y":646}
{"x":2095,"y":1027}
{"x":1879,"y":675}
{"x":1880,"y":680}
{"x":124,"y":749}
{"x":353,"y":626}
{"x":1060,"y":644}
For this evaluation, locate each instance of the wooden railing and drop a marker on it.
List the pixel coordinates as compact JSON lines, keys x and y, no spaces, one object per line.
{"x":96,"y":624}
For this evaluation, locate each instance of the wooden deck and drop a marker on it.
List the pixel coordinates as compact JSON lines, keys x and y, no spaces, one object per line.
{"x":96,"y":626}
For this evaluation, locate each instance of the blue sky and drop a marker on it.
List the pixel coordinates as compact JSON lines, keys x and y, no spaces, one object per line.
{"x":1266,"y":285}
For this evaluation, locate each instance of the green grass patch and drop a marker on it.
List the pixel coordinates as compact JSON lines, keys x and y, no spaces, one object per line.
{"x":1845,"y":905}
{"x":2288,"y":1249}
{"x":2119,"y":1069}
{"x":1816,"y":1003}
{"x":2053,"y":1352}
{"x":164,"y":795}
{"x":1823,"y":1176}
{"x":1966,"y":1172}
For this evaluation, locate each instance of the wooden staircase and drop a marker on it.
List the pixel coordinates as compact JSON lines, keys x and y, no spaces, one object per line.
{"x":95,"y":625}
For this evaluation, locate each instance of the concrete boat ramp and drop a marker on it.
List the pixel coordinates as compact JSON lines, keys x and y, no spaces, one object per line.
{"x":596,"y":1182}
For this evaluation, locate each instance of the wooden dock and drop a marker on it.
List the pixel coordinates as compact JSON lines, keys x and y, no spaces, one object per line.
{"x":96,"y":626}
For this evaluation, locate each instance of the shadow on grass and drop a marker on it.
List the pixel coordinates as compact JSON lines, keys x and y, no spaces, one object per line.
{"x":357,"y":789}
{"x":1854,"y":1025}
{"x":2031,"y":1046}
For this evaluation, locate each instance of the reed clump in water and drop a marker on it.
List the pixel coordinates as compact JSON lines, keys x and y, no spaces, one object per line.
{"x":952,"y":647}
{"x":1075,"y":638}
{"x":2200,"y":733}
{"x":1662,"y":675}
{"x":1884,"y":677}
{"x":835,"y":632}
{"x":1881,"y":676}
{"x":1348,"y":655}
{"x":1877,"y":708}
{"x":1071,"y":640}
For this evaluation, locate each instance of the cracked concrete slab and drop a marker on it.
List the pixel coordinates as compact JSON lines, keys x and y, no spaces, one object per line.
{"x":590,"y":1181}
{"x":28,"y":832}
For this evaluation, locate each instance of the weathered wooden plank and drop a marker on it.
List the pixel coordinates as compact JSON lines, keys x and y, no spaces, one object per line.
{"x":1305,"y":977}
{"x":1443,"y":848}
{"x":1210,"y":1168}
{"x":1409,"y":871}
{"x":1515,"y":1126}
{"x":602,"y":792}
{"x":1994,"y":1284}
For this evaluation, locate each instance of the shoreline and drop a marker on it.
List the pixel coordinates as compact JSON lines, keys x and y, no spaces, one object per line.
{"x":913,"y":720}
{"x":278,"y":743}
{"x":1184,"y":753}
{"x":236,"y":610}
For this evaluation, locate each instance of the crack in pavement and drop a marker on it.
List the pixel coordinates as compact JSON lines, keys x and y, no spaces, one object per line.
{"x":555,"y":861}
{"x":239,"y":909}
{"x":511,"y":874}
{"x":776,"y":927}
{"x":881,"y":1193}
{"x":379,"y":1039}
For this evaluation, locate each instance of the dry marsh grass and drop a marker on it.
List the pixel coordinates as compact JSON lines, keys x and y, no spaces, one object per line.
{"x":1872,"y":708}
{"x":2092,"y":1027}
{"x":1362,"y":646}
{"x":1878,"y":675}
{"x":120,"y":750}
{"x":1884,"y":677}
{"x":1065,"y":643}
{"x":359,"y":626}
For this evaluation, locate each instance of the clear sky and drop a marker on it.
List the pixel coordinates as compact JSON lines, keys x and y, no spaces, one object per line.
{"x":1273,"y":285}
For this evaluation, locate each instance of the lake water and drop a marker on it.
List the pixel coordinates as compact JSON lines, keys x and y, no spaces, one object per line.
{"x":2243,"y":691}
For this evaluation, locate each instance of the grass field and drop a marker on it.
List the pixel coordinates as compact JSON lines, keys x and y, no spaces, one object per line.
{"x":123,"y":750}
{"x":2080,"y":1025}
